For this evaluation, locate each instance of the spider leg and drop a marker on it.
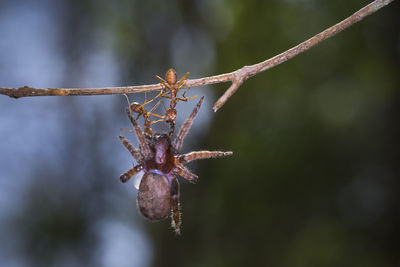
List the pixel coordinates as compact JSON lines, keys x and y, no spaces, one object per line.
{"x":188,"y":157}
{"x":144,"y":147}
{"x":126,"y":130}
{"x":129,"y":173}
{"x":175,"y":206}
{"x":186,"y":173}
{"x":135,"y":153}
{"x":140,"y":136}
{"x":186,"y":126}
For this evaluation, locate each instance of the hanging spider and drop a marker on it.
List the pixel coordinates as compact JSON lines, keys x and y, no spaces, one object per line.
{"x":172,"y":86}
{"x":158,"y":160}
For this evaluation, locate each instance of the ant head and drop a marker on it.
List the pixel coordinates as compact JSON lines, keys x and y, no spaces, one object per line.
{"x":135,"y":107}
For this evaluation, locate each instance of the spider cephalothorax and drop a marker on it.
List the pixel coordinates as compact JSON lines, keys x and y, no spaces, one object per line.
{"x":158,"y":160}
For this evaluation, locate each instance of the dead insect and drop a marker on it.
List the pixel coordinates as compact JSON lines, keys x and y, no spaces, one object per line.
{"x":158,"y":160}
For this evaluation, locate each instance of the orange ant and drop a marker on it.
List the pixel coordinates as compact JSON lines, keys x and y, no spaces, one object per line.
{"x":141,"y":111}
{"x":172,"y":86}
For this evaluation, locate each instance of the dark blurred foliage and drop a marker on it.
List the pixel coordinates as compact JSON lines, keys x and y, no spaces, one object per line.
{"x":314,"y":179}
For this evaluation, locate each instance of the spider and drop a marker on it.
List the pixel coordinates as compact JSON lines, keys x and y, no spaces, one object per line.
{"x":158,"y":159}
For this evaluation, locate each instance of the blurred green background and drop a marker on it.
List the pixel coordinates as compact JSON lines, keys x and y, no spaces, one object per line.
{"x":314,"y":179}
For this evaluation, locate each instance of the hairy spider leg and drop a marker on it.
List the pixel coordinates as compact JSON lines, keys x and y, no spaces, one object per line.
{"x":144,"y":147}
{"x":134,"y":152}
{"x":186,"y":173}
{"x":129,"y":173}
{"x":175,"y":206}
{"x":195,"y":155}
{"x":185,"y":127}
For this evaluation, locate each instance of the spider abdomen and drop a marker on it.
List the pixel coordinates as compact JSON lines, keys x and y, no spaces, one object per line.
{"x":153,"y":198}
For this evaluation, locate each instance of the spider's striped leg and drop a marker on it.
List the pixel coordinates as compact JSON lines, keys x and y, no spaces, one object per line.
{"x":185,"y":173}
{"x":185,"y":127}
{"x":129,"y":173}
{"x":144,"y":147}
{"x":175,"y":206}
{"x":188,"y":157}
{"x":134,"y":152}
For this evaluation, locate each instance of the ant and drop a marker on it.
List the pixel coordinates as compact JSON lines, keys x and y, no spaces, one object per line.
{"x":172,"y":85}
{"x":141,"y":111}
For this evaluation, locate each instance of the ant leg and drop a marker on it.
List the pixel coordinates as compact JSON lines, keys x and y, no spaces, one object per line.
{"x":175,"y":206}
{"x":148,"y":102}
{"x":154,"y":108}
{"x":129,"y":173}
{"x":180,"y":84}
{"x":156,"y":115}
{"x":163,"y":82}
{"x":144,"y":147}
{"x":184,"y":98}
{"x":185,"y":127}
{"x":150,"y":113}
{"x":134,"y":152}
{"x":185,"y":158}
{"x":156,"y":121}
{"x":181,"y":81}
{"x":186,"y":173}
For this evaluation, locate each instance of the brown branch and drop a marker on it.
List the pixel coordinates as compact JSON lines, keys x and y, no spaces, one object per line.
{"x":240,"y":75}
{"x":236,"y":77}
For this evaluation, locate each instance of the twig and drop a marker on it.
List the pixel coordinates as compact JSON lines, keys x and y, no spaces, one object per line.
{"x":237,"y":77}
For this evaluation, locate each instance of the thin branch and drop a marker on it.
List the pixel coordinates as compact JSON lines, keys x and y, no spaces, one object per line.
{"x":236,"y":77}
{"x":240,"y":75}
